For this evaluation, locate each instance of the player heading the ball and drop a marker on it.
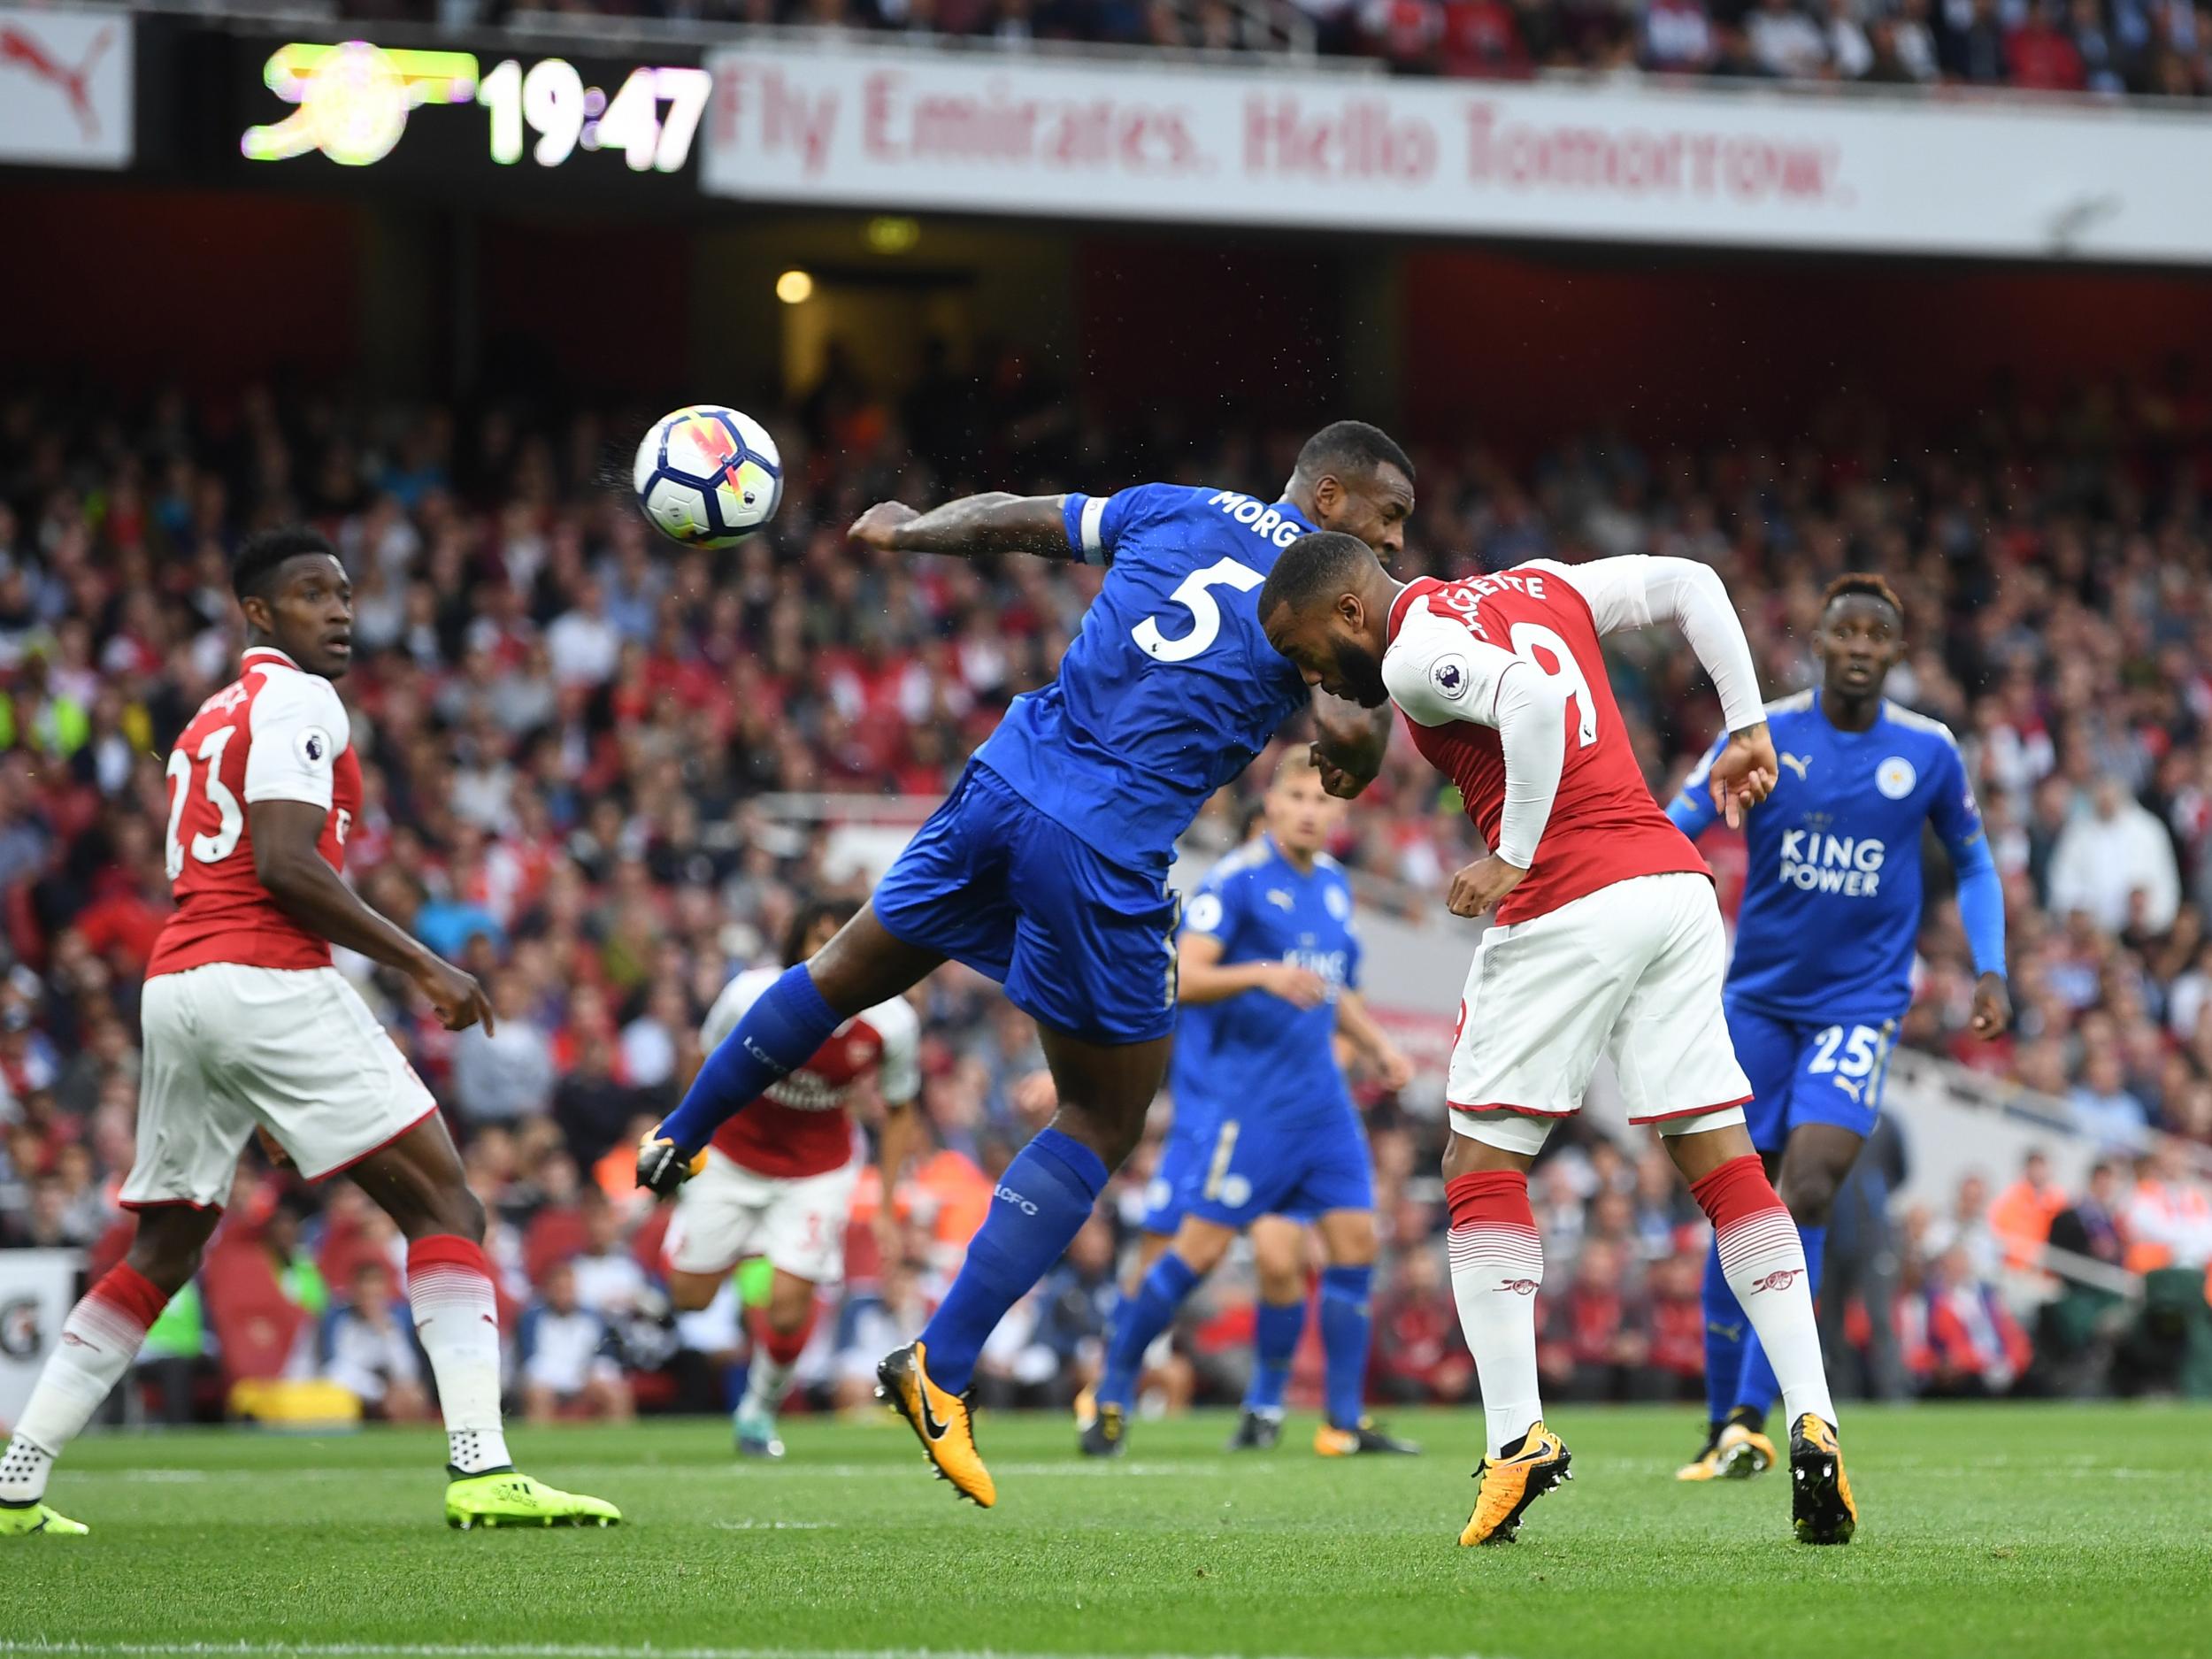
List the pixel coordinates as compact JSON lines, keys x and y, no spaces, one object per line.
{"x":1046,"y":866}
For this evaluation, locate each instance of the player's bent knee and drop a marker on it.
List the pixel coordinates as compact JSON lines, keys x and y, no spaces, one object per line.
{"x":689,"y":1292}
{"x":458,"y":1211}
{"x":1112,"y":1134}
{"x":169,"y":1241}
{"x":1485,"y":1141}
{"x":168,"y":1266}
{"x":1700,"y":1143}
{"x":1809,"y":1197}
{"x":789,"y":1314}
{"x":1347,"y":1238}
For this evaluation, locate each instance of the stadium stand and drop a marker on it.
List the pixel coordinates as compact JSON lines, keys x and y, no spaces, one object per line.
{"x":2104,"y":48}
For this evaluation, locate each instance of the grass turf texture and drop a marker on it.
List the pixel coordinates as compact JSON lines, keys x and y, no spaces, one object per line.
{"x":2013,"y":1531}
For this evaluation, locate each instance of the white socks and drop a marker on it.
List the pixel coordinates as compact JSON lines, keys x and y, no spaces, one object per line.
{"x":1763,"y":1260}
{"x":766,"y":1382}
{"x":1497,"y":1264}
{"x":457,"y":1316}
{"x":99,"y":1341}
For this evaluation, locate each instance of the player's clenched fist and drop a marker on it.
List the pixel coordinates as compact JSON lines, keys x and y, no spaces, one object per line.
{"x":879,"y":526}
{"x":1301,"y":988}
{"x":1743,"y":773}
{"x":1482,"y":884}
{"x":1993,"y":1007}
{"x":459,"y":1000}
{"x":663,"y":1166}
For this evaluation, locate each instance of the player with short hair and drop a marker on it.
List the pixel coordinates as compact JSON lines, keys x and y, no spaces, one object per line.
{"x":1046,"y":866}
{"x":1607,"y":940}
{"x":1823,"y":970}
{"x":247,"y":1026}
{"x":1268,"y":964}
{"x":779,"y":1177}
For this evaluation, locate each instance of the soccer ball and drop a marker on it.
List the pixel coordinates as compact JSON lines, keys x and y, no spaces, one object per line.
{"x":707,"y":476}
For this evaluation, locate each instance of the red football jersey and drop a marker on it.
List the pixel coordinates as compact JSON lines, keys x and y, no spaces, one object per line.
{"x":274,"y":734}
{"x":801,"y":1126}
{"x":1449,"y":644}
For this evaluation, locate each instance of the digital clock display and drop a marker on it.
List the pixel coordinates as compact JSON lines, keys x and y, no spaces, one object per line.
{"x":355,"y":101}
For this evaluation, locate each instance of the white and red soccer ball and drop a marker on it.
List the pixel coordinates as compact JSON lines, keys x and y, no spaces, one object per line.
{"x":707,"y":476}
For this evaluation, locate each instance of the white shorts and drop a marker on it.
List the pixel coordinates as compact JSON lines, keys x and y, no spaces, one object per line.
{"x":1635,"y":971}
{"x":727,"y":1213}
{"x":295,"y":1050}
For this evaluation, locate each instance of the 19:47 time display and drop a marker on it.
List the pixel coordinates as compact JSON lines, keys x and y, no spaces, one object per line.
{"x":551,"y":100}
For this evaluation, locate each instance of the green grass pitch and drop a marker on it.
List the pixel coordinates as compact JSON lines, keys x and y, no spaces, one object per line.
{"x":1984,"y":1531}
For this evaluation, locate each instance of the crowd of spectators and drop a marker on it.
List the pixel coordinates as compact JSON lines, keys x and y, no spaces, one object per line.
{"x":578,"y":746}
{"x":2108,"y":48}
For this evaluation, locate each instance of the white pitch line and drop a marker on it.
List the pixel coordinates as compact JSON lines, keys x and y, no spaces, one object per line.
{"x":773,"y":1526}
{"x":526,"y":1650}
{"x":1110,"y":1470}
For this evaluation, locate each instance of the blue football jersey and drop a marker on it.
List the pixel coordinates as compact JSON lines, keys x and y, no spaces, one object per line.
{"x":1171,"y":688}
{"x":1832,"y":890}
{"x":1255,"y":1053}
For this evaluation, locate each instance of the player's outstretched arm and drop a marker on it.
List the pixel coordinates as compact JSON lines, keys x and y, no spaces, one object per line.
{"x":973,"y":526}
{"x":1349,"y":744}
{"x":308,"y":890}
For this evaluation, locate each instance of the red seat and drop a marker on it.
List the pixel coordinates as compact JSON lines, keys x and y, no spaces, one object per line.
{"x":553,"y":1235}
{"x":255,"y":1322}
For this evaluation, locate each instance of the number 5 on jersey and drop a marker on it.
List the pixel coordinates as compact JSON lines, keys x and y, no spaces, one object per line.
{"x":1205,"y":614}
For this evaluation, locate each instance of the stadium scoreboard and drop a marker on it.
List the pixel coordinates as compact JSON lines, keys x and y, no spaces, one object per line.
{"x":493,"y":123}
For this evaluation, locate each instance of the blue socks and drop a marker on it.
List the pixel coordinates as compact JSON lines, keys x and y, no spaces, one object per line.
{"x":1138,"y":1320}
{"x":1754,"y":1383}
{"x":1344,"y":1339}
{"x":1041,"y":1203}
{"x":1725,"y":1329}
{"x":778,"y":1035}
{"x":1274,"y":1343}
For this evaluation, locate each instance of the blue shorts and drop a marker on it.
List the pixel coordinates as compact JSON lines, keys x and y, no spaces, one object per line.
{"x":1805,"y":1071}
{"x":1246,"y":1170}
{"x":1081,"y":944}
{"x":1179,"y":1155}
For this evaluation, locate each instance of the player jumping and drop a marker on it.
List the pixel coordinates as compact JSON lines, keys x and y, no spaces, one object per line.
{"x":1606,"y":941}
{"x":248,"y":1025}
{"x":1823,"y":972}
{"x":1046,"y":866}
{"x":1269,"y":970}
{"x":779,"y":1179}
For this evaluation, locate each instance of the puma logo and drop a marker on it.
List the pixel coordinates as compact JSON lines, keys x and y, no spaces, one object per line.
{"x":1853,"y":1086}
{"x":1727,"y":1333}
{"x":1796,"y":763}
